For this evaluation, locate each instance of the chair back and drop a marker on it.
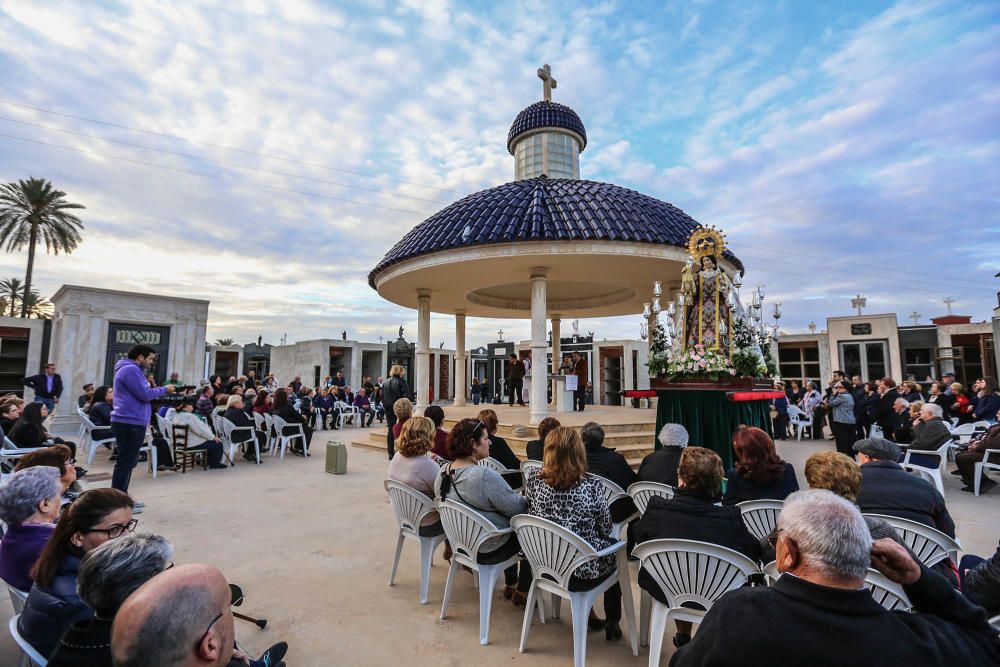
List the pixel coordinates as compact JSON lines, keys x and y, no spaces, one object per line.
{"x":226,"y":429}
{"x":493,"y":464}
{"x":963,"y":433}
{"x":34,"y":656}
{"x":795,"y":411}
{"x":17,"y":599}
{"x":692,"y":571}
{"x":876,"y":431}
{"x":529,"y":465}
{"x":279,"y":424}
{"x":409,"y":505}
{"x":760,"y":516}
{"x":179,"y":434}
{"x":886,"y":592}
{"x":259,"y":422}
{"x":466,"y":528}
{"x":642,"y":492}
{"x":165,"y":427}
{"x":612,"y":491}
{"x":929,"y":545}
{"x":88,"y":425}
{"x":269,"y":421}
{"x":553,"y":551}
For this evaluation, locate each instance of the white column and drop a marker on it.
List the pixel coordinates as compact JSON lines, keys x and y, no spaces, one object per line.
{"x":423,"y":372}
{"x":556,"y":353}
{"x":459,"y":377}
{"x":539,"y":367}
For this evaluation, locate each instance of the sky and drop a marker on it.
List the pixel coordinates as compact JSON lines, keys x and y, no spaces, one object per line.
{"x":266,"y":155}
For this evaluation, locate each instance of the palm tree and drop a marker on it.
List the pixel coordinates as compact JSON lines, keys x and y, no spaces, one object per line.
{"x":31,"y":209}
{"x":11,"y":291}
{"x":38,"y":306}
{"x":225,"y":341}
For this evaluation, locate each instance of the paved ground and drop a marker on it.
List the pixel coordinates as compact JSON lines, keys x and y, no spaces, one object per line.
{"x":313,"y":552}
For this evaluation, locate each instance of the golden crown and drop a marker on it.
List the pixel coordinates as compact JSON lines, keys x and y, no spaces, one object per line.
{"x":706,"y":242}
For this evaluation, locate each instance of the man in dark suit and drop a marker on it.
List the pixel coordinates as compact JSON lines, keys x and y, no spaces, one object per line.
{"x":48,"y":386}
{"x":580,"y":371}
{"x":883,"y":413}
{"x":516,"y":380}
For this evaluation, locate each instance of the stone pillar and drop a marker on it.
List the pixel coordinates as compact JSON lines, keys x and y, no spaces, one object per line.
{"x":539,"y":346}
{"x":460,"y":380}
{"x":556,"y":352}
{"x":423,"y":370}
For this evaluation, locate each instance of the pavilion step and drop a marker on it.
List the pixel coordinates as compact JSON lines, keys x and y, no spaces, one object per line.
{"x":531,"y":432}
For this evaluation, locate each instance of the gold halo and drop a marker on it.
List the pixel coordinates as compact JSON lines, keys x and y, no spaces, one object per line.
{"x":706,"y":242}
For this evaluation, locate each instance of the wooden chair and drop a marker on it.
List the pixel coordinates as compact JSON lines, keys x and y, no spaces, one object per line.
{"x":182,"y":454}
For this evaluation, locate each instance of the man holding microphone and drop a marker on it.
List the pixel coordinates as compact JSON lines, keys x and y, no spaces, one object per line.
{"x":132,"y":410}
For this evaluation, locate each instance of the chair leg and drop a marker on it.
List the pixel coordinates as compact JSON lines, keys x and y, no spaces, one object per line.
{"x":628,"y":602}
{"x":978,"y":475}
{"x":580,"y":610}
{"x":256,"y":448}
{"x":395,"y":560}
{"x":487,"y":582}
{"x":447,"y":588}
{"x":426,"y":553}
{"x":529,"y":611}
{"x":153,"y":463}
{"x":90,"y":454}
{"x":645,"y":602}
{"x":556,"y":607}
{"x":657,"y":628}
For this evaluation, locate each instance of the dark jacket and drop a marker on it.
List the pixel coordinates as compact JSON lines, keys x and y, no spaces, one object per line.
{"x":394,"y":389}
{"x":883,"y":414}
{"x":27,"y":435}
{"x":987,"y":407}
{"x":888,"y":489}
{"x":689,"y":516}
{"x":100,"y":413}
{"x":661,"y":466}
{"x":982,"y":584}
{"x":944,"y":400}
{"x":796,"y":622}
{"x":501,"y":451}
{"x":85,"y":644}
{"x":930,"y":435}
{"x":517,"y":370}
{"x":580,"y":371}
{"x":534,"y":450}
{"x":609,"y":464}
{"x":738,"y":488}
{"x":41,"y":385}
{"x":240,"y":418}
{"x":49,"y":611}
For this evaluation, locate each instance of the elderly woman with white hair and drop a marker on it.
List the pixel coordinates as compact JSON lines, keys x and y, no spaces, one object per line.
{"x":929,"y":433}
{"x":108,"y":575}
{"x":661,"y":465}
{"x":29,"y":504}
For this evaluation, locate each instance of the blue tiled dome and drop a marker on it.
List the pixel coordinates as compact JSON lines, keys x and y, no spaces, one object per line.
{"x":545,"y":114}
{"x":544,"y":209}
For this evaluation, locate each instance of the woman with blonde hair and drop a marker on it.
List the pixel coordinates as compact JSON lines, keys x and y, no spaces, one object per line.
{"x":562,"y":492}
{"x":411,"y":466}
{"x":394,"y":390}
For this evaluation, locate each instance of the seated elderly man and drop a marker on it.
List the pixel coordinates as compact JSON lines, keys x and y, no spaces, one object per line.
{"x":929,"y":433}
{"x":888,"y":489}
{"x":820,"y":612}
{"x":180,"y":618}
{"x":903,"y":430}
{"x":661,"y":465}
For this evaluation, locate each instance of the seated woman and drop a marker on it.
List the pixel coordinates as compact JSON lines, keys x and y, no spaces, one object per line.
{"x":364,"y":406}
{"x":100,"y":413}
{"x":29,"y":430}
{"x":237,"y":415}
{"x":262,"y":403}
{"x":440,"y":449}
{"x":10,"y":411}
{"x":283,"y":408}
{"x":500,"y":450}
{"x":485,"y":491}
{"x":563,"y":493}
{"x":760,"y":472}
{"x":56,"y":456}
{"x":377,"y":404}
{"x":693,"y":515}
{"x":53,"y":603}
{"x":29,"y":504}
{"x":221,"y":401}
{"x":535,"y":448}
{"x":661,"y":465}
{"x":411,"y":466}
{"x":199,"y":436}
{"x":403,"y":410}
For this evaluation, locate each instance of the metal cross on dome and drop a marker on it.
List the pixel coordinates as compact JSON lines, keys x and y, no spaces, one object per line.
{"x":548,"y":83}
{"x":915,"y":316}
{"x":948,"y":303}
{"x":859,"y":303}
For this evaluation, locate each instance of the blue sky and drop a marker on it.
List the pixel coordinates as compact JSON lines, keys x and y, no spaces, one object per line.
{"x":266,"y":155}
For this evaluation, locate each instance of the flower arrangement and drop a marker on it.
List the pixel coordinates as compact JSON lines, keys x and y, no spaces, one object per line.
{"x":699,"y":362}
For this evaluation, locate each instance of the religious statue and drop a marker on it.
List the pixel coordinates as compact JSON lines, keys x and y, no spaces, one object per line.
{"x":705,"y":289}
{"x":401,"y":332}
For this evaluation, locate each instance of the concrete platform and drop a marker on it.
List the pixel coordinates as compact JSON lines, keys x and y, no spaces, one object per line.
{"x":313,"y":552}
{"x":631,"y":431}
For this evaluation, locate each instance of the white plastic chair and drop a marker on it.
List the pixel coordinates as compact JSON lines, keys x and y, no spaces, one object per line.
{"x":642,"y":492}
{"x":272,"y":439}
{"x":17,"y":598}
{"x":87,"y":426}
{"x":529,"y":467}
{"x":283,"y":439}
{"x":348,"y":413}
{"x":410,"y":507}
{"x":30,"y":655}
{"x":886,"y":592}
{"x":228,"y":428}
{"x":263,"y":427}
{"x":467,"y":530}
{"x":985,"y":464}
{"x":800,"y":420}
{"x":876,"y":431}
{"x":612,"y":494}
{"x":687,"y":571}
{"x":933,"y":475}
{"x":555,"y":553}
{"x":929,"y":545}
{"x":493,"y":464}
{"x":760,"y":516}
{"x":995,"y":622}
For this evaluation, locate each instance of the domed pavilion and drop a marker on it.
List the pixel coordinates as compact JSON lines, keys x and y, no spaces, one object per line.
{"x":547,"y":245}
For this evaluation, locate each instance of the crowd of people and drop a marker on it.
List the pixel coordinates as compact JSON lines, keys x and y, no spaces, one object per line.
{"x":823,"y":542}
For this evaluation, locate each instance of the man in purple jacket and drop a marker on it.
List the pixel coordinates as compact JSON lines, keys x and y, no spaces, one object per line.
{"x":132,"y":409}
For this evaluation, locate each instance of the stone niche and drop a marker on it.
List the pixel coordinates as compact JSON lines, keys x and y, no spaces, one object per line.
{"x":92,"y":328}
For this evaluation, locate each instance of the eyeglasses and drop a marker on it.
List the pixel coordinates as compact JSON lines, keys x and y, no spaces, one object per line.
{"x":116,"y":531}
{"x":209,"y":628}
{"x":70,"y":462}
{"x":773,"y":539}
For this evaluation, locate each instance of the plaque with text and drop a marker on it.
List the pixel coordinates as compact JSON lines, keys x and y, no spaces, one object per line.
{"x":861,"y":329}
